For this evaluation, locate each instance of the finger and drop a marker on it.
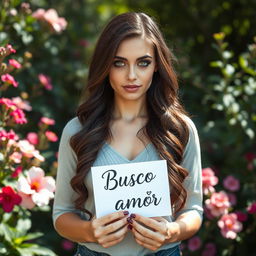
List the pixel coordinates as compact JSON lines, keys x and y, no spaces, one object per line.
{"x":150,"y":222}
{"x":114,"y":236}
{"x":156,"y":236}
{"x":148,"y":246}
{"x":159,"y":219}
{"x":114,"y":226}
{"x":111,"y":217}
{"x":145,"y":240}
{"x":109,"y":244}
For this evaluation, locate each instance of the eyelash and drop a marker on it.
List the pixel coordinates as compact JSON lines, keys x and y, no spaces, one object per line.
{"x":143,"y":66}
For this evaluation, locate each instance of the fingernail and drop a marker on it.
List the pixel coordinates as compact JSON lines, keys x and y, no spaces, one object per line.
{"x":130,"y":227}
{"x":133,"y":215}
{"x":126,"y":213}
{"x":129,"y":220}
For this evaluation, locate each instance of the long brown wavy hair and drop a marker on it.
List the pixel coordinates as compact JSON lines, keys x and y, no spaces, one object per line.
{"x":165,"y":127}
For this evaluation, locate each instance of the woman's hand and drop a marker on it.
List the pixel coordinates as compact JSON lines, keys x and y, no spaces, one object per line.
{"x":110,"y":229}
{"x":153,"y":232}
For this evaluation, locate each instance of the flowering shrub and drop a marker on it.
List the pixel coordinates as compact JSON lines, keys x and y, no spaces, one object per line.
{"x":229,"y":186}
{"x":23,"y":184}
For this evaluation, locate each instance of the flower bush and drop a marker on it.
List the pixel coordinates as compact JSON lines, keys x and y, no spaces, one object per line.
{"x":23,"y":184}
{"x":25,"y":189}
{"x":229,"y":185}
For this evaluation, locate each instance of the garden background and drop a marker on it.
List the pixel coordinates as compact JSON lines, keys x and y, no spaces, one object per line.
{"x":45,"y":48}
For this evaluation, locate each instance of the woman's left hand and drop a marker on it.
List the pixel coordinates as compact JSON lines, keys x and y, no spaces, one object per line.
{"x":153,"y":232}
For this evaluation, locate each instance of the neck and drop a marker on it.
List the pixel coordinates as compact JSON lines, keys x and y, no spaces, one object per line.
{"x":129,"y":110}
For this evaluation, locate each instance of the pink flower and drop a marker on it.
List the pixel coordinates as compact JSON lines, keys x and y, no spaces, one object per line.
{"x":32,"y":137}
{"x":9,"y":198}
{"x":67,"y":245}
{"x":231,"y":183}
{"x":36,"y":188}
{"x":39,"y":14}
{"x":14,"y":63}
{"x":58,"y":24}
{"x":194,"y":243}
{"x":22,"y":104}
{"x":218,"y":204}
{"x":209,"y":250}
{"x":9,"y":79}
{"x":19,"y":116}
{"x":11,"y":135}
{"x":29,"y":150}
{"x":10,"y":49}
{"x":48,"y":121}
{"x":17,"y":172}
{"x":45,"y":81}
{"x":229,"y":225}
{"x":51,"y":17}
{"x":8,"y":103}
{"x":252,"y":208}
{"x":16,"y":157}
{"x":232,"y":198}
{"x":241,"y":216}
{"x":209,"y":180}
{"x":51,"y":136}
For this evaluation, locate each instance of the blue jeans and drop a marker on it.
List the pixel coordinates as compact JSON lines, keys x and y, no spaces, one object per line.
{"x":83,"y":251}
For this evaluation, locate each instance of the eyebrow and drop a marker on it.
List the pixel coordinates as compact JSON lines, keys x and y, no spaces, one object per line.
{"x":142,"y":57}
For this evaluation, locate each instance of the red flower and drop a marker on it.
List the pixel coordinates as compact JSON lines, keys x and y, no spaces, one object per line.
{"x":19,"y":116}
{"x":17,"y":171}
{"x":8,"y":198}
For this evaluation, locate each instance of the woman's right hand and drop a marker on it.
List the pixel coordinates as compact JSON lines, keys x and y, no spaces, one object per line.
{"x":110,"y":229}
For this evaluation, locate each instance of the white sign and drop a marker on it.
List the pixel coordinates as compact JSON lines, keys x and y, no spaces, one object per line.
{"x":141,"y":188}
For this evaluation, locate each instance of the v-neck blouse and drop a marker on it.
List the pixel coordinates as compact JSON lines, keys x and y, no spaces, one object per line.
{"x":111,"y":152}
{"x":65,"y":195}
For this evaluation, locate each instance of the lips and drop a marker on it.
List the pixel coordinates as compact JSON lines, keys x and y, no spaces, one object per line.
{"x":131,"y":87}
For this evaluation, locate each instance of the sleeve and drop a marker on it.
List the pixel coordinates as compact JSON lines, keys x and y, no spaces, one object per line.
{"x":192,"y":162}
{"x":67,"y":161}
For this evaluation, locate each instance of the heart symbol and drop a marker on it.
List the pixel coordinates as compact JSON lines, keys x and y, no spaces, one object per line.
{"x":149,"y":192}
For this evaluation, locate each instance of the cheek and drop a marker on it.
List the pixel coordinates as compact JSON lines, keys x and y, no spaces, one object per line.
{"x":147,"y":76}
{"x":114,"y":77}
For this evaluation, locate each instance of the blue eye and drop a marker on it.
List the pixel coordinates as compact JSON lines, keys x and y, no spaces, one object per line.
{"x":118,"y":63}
{"x":144,"y":63}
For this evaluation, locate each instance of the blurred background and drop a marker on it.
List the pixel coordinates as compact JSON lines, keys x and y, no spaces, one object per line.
{"x":215,"y":46}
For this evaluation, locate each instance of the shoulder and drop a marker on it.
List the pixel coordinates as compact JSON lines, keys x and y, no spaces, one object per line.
{"x":191,"y":126}
{"x":72,"y":127}
{"x":193,"y":134}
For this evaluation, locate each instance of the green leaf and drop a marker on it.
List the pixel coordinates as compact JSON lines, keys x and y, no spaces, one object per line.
{"x":31,"y":236}
{"x":216,"y":64}
{"x":2,"y":248}
{"x":34,"y":249}
{"x":23,"y":225}
{"x":8,"y":233}
{"x":243,"y":62}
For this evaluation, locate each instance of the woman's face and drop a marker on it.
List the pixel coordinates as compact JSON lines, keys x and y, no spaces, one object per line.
{"x":132,"y":70}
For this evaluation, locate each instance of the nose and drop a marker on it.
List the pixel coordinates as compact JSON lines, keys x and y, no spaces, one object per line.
{"x":132,"y":73}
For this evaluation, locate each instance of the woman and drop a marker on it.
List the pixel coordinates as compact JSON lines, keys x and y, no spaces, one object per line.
{"x":131,"y":113}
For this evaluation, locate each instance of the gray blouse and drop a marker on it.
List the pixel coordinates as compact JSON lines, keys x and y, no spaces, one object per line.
{"x":65,"y":195}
